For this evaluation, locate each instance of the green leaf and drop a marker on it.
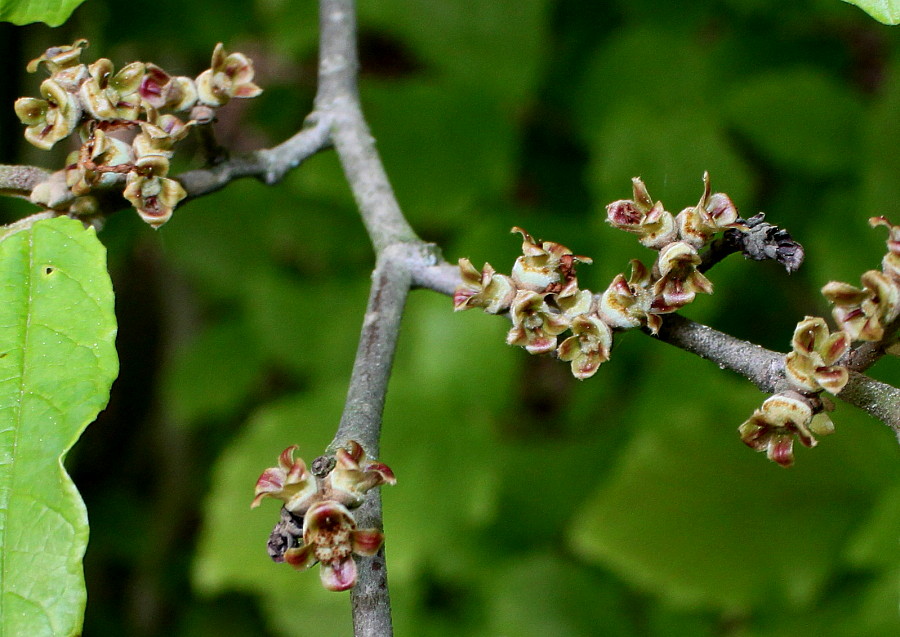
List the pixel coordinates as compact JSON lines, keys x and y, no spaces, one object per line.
{"x":57,"y":363}
{"x":52,"y":12}
{"x":885,"y":11}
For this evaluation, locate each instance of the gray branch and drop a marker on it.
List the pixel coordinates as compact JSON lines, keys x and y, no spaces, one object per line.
{"x":19,"y":181}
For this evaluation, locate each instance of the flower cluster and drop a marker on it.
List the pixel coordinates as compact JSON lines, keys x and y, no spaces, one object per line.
{"x":542,"y":297}
{"x":107,"y":107}
{"x":329,"y":534}
{"x":863,"y":314}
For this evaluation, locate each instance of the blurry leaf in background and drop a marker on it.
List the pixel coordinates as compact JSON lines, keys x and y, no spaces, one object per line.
{"x":799,"y":119}
{"x":215,"y":375}
{"x":53,"y":12}
{"x":886,"y":11}
{"x":706,"y":523}
{"x":57,"y":362}
{"x":648,"y":107}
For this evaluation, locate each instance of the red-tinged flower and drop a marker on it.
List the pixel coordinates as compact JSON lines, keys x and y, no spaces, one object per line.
{"x":545,"y":266}
{"x":772,"y":428}
{"x":330,"y":537}
{"x":486,"y":289}
{"x":152,"y":194}
{"x":863,"y":313}
{"x":653,"y":224}
{"x":535,"y":325}
{"x":230,"y":75}
{"x":354,"y":474}
{"x":811,"y":364}
{"x":161,"y":90}
{"x":289,"y":482}
{"x":589,"y":346}
{"x":159,"y":134}
{"x":571,"y":301}
{"x":714,"y":213}
{"x":627,"y":303}
{"x":50,"y":119}
{"x":679,"y":280}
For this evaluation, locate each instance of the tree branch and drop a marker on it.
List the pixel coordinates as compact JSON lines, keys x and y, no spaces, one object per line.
{"x":19,"y":181}
{"x":338,"y":97}
{"x":361,"y":421}
{"x":268,"y":164}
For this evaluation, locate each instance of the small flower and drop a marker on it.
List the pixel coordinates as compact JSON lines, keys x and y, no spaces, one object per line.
{"x":544,"y":266}
{"x":104,"y":153}
{"x":654,"y":225}
{"x":627,"y":303}
{"x":571,"y":301}
{"x":714,"y":213}
{"x":810,"y":366}
{"x":109,"y":96}
{"x":161,"y":90}
{"x":535,"y":325}
{"x":289,"y":482}
{"x":589,"y":346}
{"x":891,"y":262}
{"x":329,"y":534}
{"x":486,"y":289}
{"x":354,"y":474}
{"x":57,"y":58}
{"x":679,"y":280}
{"x":230,"y":75}
{"x":330,"y":537}
{"x":159,"y":134}
{"x":863,"y":313}
{"x":50,"y":119}
{"x":772,"y":427}
{"x":150,"y":192}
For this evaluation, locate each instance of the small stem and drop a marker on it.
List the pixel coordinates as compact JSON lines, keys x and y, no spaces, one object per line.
{"x":270,"y":165}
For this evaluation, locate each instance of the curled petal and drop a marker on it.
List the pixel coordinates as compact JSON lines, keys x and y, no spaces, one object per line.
{"x":714,"y":213}
{"x":488,"y":290}
{"x":300,"y":557}
{"x":589,"y":346}
{"x":339,"y":575}
{"x":59,"y":57}
{"x":354,"y":474}
{"x":535,"y":326}
{"x":545,"y":266}
{"x":289,"y":482}
{"x":367,"y":541}
{"x":772,"y":428}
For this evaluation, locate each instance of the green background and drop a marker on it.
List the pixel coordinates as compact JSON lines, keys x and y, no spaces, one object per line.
{"x":527,"y":503}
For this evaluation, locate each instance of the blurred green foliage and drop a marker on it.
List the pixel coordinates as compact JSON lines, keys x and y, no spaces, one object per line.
{"x":527,"y":503}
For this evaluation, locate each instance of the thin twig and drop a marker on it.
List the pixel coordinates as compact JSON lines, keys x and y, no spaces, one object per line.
{"x":270,"y":165}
